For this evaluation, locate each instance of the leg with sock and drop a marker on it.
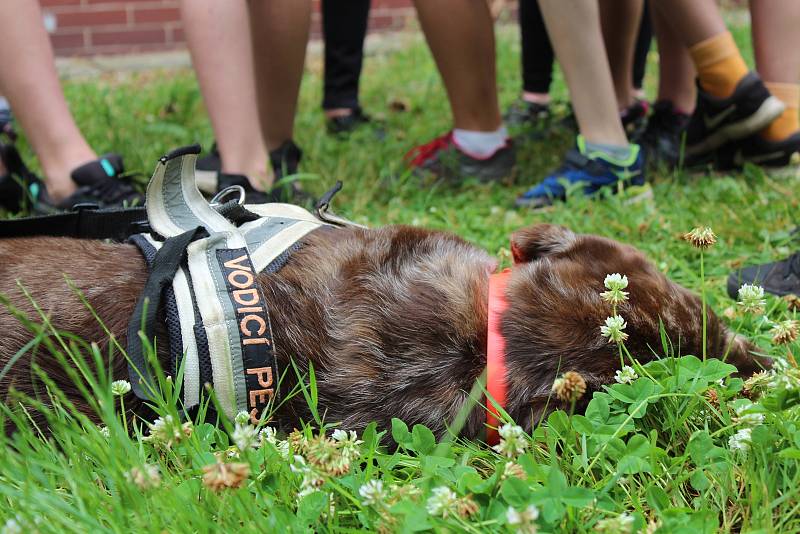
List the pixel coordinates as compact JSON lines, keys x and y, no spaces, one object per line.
{"x":344,"y":26}
{"x":732,"y":103}
{"x":73,"y":172}
{"x":603,"y":157}
{"x":461,"y":38}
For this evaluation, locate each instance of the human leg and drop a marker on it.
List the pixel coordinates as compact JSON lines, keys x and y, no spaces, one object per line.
{"x":29,"y":80}
{"x":218,"y":35}
{"x":620,"y":21}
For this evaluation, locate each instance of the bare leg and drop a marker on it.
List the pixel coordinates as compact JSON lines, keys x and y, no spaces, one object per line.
{"x":461,"y":39}
{"x":620,"y":24}
{"x":578,"y":42}
{"x":775,"y":39}
{"x":691,"y":20}
{"x":218,"y":34}
{"x":675,"y":68}
{"x":279,"y":32}
{"x":29,"y":80}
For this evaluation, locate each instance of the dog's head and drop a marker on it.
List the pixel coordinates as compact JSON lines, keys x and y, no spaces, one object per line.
{"x":555,"y":313}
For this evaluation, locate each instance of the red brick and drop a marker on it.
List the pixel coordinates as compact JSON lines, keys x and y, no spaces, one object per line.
{"x":63,"y":41}
{"x":127,"y":37}
{"x":170,"y":14}
{"x":91,"y":18}
{"x":50,"y":3}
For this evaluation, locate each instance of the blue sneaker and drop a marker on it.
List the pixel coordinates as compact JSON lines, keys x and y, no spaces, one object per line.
{"x":594,"y":170}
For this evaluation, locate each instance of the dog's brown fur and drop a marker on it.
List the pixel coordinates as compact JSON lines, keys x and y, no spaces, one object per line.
{"x":393,"y":319}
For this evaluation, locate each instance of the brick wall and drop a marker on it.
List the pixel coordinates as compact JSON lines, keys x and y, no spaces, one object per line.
{"x":89,"y":27}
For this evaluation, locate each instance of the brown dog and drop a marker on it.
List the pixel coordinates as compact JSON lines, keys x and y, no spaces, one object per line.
{"x":394,"y":319}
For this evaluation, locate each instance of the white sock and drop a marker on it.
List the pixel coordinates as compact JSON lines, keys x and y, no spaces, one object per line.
{"x":480,"y":144}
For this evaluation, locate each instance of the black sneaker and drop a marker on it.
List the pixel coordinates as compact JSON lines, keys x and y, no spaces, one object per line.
{"x":21,"y":189}
{"x":251,"y":195}
{"x":285,"y":160}
{"x":718,"y":120}
{"x":754,"y":149}
{"x":102,"y":182}
{"x":634,"y":118}
{"x":207,"y":171}
{"x":442,"y":158}
{"x":524,"y":114}
{"x":347,"y":123}
{"x":662,"y":137}
{"x":779,"y":278}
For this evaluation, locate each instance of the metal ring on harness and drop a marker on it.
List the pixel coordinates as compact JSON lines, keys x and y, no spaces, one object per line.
{"x":216,"y":200}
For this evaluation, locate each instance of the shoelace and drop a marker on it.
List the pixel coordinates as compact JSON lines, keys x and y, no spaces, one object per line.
{"x":422,"y":153}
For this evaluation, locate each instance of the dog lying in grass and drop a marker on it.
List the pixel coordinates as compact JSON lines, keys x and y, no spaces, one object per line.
{"x":393,"y":319}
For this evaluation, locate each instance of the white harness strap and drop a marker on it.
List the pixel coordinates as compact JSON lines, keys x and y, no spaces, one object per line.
{"x":219,"y":280}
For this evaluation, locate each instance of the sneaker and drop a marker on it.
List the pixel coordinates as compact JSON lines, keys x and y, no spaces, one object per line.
{"x":445,"y":160}
{"x":593,"y":171}
{"x":347,"y":123}
{"x":634,"y":117}
{"x":251,"y":195}
{"x":754,"y":149}
{"x":102,"y":182}
{"x":661,"y":138}
{"x":285,"y":160}
{"x":207,"y":171}
{"x":718,"y":120}
{"x":779,"y":278}
{"x":524,"y":114}
{"x":21,"y":189}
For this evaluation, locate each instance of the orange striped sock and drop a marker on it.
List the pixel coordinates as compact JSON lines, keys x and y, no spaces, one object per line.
{"x":789,"y":121}
{"x":719,"y":64}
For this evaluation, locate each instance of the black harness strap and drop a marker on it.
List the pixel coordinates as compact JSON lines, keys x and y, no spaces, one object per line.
{"x":86,"y":223}
{"x":165,"y":264}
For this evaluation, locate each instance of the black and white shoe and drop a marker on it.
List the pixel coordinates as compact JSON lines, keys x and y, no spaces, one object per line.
{"x":717,"y":121}
{"x":754,"y":149}
{"x":102,"y":182}
{"x":662,"y":137}
{"x":778,"y":278}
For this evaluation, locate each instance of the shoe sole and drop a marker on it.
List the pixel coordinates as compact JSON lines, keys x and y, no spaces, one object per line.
{"x":765,"y":114}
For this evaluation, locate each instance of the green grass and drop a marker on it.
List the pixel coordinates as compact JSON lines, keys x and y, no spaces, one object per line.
{"x":657,"y":449}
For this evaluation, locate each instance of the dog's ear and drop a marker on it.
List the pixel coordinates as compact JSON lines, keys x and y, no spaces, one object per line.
{"x":539,"y":240}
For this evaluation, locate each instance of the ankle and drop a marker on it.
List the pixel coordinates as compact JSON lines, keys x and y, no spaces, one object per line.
{"x":335,"y":113}
{"x":536,"y":98}
{"x":58,"y":169}
{"x":480,"y":144}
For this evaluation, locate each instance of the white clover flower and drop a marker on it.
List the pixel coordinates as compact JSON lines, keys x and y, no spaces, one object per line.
{"x":310,"y":482}
{"x":145,"y":477}
{"x":242,"y":418}
{"x":12,"y":526}
{"x":524,"y":521}
{"x":512,"y":441}
{"x":623,"y":523}
{"x":751,"y":299}
{"x":613,"y":329}
{"x":245,"y":437}
{"x":105,"y":432}
{"x":741,"y":440}
{"x":442,"y":502}
{"x":269,"y":435}
{"x":626,"y":375}
{"x":165,"y":431}
{"x":784,"y":332}
{"x":120,"y":387}
{"x":349,"y":443}
{"x":748,"y":419}
{"x":701,"y":237}
{"x":372,"y":493}
{"x":615,"y":283}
